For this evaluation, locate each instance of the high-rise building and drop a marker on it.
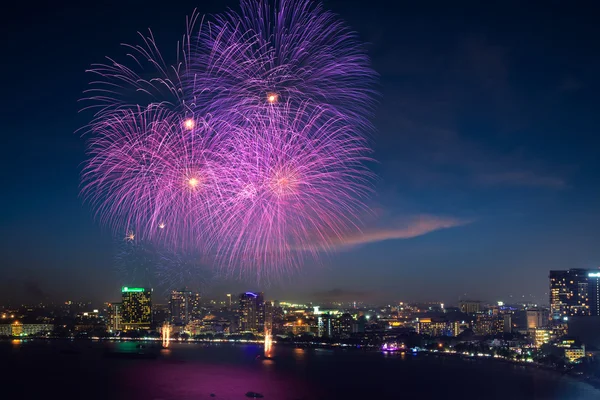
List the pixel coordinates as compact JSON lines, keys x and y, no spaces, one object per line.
{"x":114,"y":317}
{"x":569,"y":294}
{"x":470,"y":307}
{"x":346,"y":325}
{"x":507,"y":323}
{"x":184,"y":306}
{"x":594,"y":292}
{"x":328,"y":324}
{"x":269,"y":316}
{"x":486,"y":324}
{"x":536,"y":318}
{"x":252,"y":312}
{"x":136,"y":307}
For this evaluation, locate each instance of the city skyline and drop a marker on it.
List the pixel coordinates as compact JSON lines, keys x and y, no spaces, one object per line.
{"x":487,"y":168}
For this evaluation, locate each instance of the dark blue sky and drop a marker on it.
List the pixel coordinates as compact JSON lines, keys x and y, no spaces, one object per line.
{"x":487,"y":146}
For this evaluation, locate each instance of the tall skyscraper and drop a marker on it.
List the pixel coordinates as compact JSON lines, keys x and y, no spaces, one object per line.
{"x":184,"y":306}
{"x":594,"y":292}
{"x":136,"y":307}
{"x":252,"y":312}
{"x":114,"y":317}
{"x":569,"y":295}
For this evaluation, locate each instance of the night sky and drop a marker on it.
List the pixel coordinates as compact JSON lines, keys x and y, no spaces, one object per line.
{"x":487,"y":150}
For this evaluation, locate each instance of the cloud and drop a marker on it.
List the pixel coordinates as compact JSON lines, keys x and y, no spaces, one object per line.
{"x":414,"y":227}
{"x":522,"y":178}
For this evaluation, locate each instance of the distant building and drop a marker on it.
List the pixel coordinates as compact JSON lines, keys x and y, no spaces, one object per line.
{"x":19,"y":329}
{"x":541,"y":336}
{"x":328,"y":324}
{"x":485,"y":324}
{"x":136,"y":308}
{"x":594,"y":292}
{"x":427,"y":326}
{"x":277,"y":319}
{"x":347,"y":325}
{"x":507,"y":323}
{"x":297,"y":328}
{"x":269,"y":316}
{"x":536,"y":318}
{"x":470,"y":307}
{"x":184,"y":306}
{"x":569,"y":293}
{"x":114,"y":317}
{"x":252,"y":312}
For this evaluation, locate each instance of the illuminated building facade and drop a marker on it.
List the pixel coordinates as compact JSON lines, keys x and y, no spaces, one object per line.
{"x":470,"y":307}
{"x":297,"y":328}
{"x":347,"y":326}
{"x":328,"y":324}
{"x":486,"y":324}
{"x":594,"y":292}
{"x":426,"y":326}
{"x":136,"y":308}
{"x":569,"y":293}
{"x":541,"y":336}
{"x":184,"y":306}
{"x":16,"y":328}
{"x":252,"y":312}
{"x":536,"y":318}
{"x":114,"y":317}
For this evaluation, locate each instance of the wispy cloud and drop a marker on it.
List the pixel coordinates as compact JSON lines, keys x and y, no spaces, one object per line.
{"x":522,"y":178}
{"x":411,"y":228}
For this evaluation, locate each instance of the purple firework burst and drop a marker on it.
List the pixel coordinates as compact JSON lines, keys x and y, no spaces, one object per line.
{"x":154,"y":176}
{"x":293,"y":187}
{"x":250,"y":148}
{"x":291,"y":51}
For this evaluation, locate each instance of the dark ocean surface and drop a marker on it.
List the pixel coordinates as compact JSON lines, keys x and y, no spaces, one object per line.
{"x":115,"y":370}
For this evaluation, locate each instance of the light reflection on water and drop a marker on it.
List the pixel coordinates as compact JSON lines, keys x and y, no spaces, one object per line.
{"x":194,"y":371}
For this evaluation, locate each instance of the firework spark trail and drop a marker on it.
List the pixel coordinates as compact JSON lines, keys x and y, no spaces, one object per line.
{"x":147,"y":174}
{"x":292,"y":52}
{"x":251,"y":147}
{"x":295,"y":185}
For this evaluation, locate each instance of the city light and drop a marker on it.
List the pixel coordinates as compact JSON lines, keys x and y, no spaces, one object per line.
{"x":126,"y":289}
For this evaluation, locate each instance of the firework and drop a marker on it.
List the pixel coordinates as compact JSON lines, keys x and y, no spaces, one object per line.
{"x":249,"y":149}
{"x":291,"y":51}
{"x":151,"y":178}
{"x":294,"y":186}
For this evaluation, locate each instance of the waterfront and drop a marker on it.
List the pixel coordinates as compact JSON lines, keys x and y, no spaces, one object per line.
{"x":81,"y":369}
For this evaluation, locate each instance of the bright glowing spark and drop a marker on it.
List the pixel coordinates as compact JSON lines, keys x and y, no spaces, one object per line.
{"x":161,"y":225}
{"x":130,"y":236}
{"x":193,"y":182}
{"x":272,"y":98}
{"x":189,"y":124}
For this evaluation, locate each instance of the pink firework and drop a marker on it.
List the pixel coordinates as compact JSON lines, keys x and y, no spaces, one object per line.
{"x":295,"y":185}
{"x":154,"y":176}
{"x":282,"y":51}
{"x":250,"y":147}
